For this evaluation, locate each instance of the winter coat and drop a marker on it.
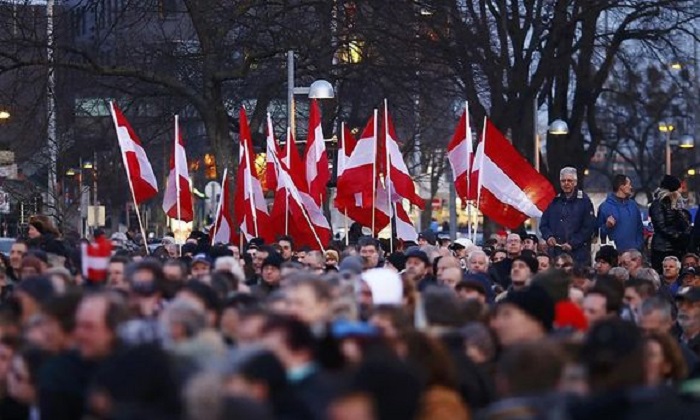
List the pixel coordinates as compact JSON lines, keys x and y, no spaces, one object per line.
{"x":570,"y":220}
{"x":627,"y":232}
{"x":671,"y":227}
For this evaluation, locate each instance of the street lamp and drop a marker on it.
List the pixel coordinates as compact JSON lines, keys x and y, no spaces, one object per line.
{"x":559,"y":128}
{"x":320,"y":89}
{"x":4,"y":115}
{"x":685,"y":142}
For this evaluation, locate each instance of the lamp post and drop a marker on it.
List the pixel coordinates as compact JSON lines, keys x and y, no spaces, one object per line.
{"x":684,"y":142}
{"x":320,"y":89}
{"x":557,"y":127}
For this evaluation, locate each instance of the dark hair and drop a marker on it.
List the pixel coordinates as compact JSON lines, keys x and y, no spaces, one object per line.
{"x":119,"y":259}
{"x":432,"y":360}
{"x":243,"y":301}
{"x":174,"y":262}
{"x":644,"y":288}
{"x":63,"y":308}
{"x":148,"y":264}
{"x":34,"y":359}
{"x":531,"y":368}
{"x":613,"y":299}
{"x":286,"y":238}
{"x":320,"y":287}
{"x":672,"y":353}
{"x":223,"y":282}
{"x":297,"y":335}
{"x":397,"y":317}
{"x":618,"y":181}
{"x":367,"y":241}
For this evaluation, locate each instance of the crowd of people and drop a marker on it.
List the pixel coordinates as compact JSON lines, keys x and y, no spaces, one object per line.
{"x":519,"y":327}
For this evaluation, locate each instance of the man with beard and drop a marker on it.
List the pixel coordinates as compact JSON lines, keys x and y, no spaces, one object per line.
{"x":688,"y":299}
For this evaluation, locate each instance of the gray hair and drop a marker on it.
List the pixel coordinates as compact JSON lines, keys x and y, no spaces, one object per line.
{"x":568,"y":171}
{"x":619,"y":273}
{"x":230,"y":264}
{"x":192,"y":318}
{"x":657,"y":303}
{"x":635,"y":254}
{"x":478,"y":253}
{"x":674,"y":259}
{"x":648,"y":273}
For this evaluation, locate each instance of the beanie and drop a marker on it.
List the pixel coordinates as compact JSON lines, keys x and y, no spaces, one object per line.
{"x":530,"y":261}
{"x":274,"y":259}
{"x":607,"y":253}
{"x":398,"y":260}
{"x":670,"y":183}
{"x":535,"y":302}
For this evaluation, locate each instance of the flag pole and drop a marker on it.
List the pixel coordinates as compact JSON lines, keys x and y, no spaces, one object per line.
{"x":131,"y":186}
{"x":467,"y":137}
{"x":374,"y":172}
{"x":481,"y":174}
{"x":311,"y":225}
{"x":177,"y":175}
{"x":286,"y":199}
{"x":342,"y":146}
{"x":219,"y":207}
{"x":387,"y":176}
{"x":248,"y":178}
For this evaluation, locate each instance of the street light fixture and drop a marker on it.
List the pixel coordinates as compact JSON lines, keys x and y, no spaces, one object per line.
{"x":4,"y":115}
{"x":320,"y":89}
{"x":686,"y":142}
{"x":559,"y":128}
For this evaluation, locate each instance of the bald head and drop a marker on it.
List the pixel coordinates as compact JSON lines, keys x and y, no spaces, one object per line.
{"x":451,"y":276}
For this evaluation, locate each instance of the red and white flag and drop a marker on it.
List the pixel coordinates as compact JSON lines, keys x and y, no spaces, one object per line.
{"x":404,"y":226}
{"x":399,"y":180}
{"x":355,"y":183}
{"x":222,"y":231}
{"x":460,"y":155}
{"x":177,"y":199}
{"x":138,"y":169}
{"x":315,"y":156}
{"x":307,"y":223}
{"x":95,"y":258}
{"x":271,"y":147}
{"x":511,"y":190}
{"x":251,"y":207}
{"x":347,"y":146}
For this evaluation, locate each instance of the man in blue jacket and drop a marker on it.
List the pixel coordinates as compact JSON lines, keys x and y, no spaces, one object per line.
{"x":619,"y":217}
{"x":568,"y":223}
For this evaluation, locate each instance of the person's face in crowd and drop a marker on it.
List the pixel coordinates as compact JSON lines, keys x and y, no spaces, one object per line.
{"x":55,"y":340}
{"x":370,"y":256}
{"x":32,"y":233}
{"x":235,"y":250}
{"x":28,"y":271}
{"x":690,"y":262}
{"x":655,"y":321}
{"x":271,"y":274}
{"x":656,"y":367}
{"x":93,"y":337}
{"x":691,"y":280}
{"x":632,"y":298}
{"x":385,"y":326}
{"x":451,"y":276}
{"x":364,"y":298}
{"x":670,"y":270}
{"x":258,"y":260}
{"x":543,"y":263}
{"x":445,"y":263}
{"x":469,"y":294}
{"x":314,"y":263}
{"x":416,"y":268}
{"x":303,"y":303}
{"x":563,"y":264}
{"x":513,"y":326}
{"x":199,"y":270}
{"x":351,"y":407}
{"x":568,"y":183}
{"x":626,"y":189}
{"x":28,"y":304}
{"x":6,"y":354}
{"x":594,"y":308}
{"x":498,"y":256}
{"x":520,"y":274}
{"x":301,"y":255}
{"x":173,"y":273}
{"x":528,"y":243}
{"x":581,"y":283}
{"x":287,"y":250}
{"x":514,"y":245}
{"x":602,"y":267}
{"x":478,"y":264}
{"x":19,"y":384}
{"x":689,"y":317}
{"x":17,"y":252}
{"x":115,"y":276}
{"x":230,"y":320}
{"x":249,"y":330}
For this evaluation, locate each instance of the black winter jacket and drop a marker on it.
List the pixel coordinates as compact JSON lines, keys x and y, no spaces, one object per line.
{"x":671,"y":227}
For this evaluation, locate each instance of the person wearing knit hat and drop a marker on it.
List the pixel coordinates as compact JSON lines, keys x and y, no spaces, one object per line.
{"x":523,"y":268}
{"x":397,"y":260}
{"x":605,"y":259}
{"x":32,"y":292}
{"x":672,"y":227}
{"x":523,"y":316}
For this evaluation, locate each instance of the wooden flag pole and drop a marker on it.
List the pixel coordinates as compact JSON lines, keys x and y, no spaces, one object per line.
{"x":374,"y":173}
{"x":387,"y":177}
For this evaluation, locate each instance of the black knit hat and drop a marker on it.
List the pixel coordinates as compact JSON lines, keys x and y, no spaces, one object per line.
{"x":670,"y":182}
{"x":535,"y":302}
{"x":607,"y":253}
{"x":398,"y":260}
{"x":274,"y":259}
{"x":529,"y":260}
